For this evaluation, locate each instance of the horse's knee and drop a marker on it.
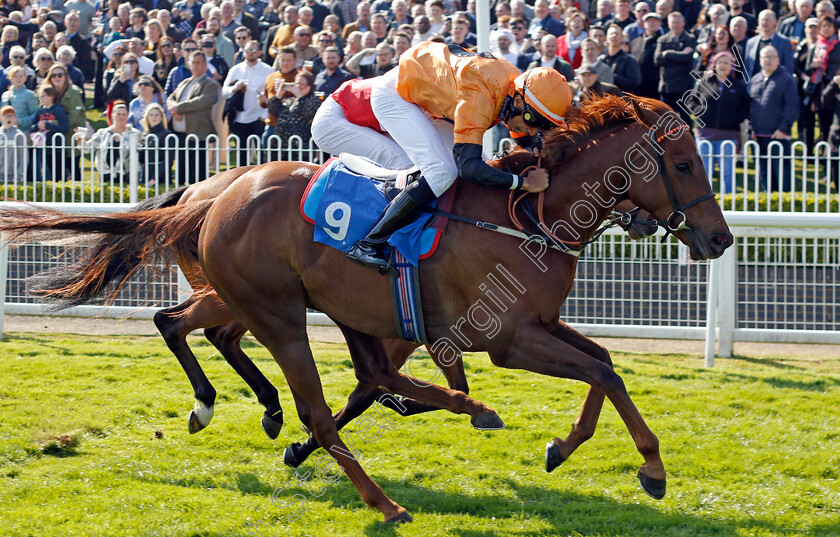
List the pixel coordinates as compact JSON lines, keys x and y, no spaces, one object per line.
{"x":600,"y":353}
{"x":608,"y":382}
{"x":166,"y":324}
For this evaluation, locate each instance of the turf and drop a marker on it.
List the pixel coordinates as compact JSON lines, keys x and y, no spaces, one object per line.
{"x":94,"y":441}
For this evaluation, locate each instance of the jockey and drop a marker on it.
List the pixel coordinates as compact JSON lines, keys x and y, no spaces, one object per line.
{"x":436,"y":106}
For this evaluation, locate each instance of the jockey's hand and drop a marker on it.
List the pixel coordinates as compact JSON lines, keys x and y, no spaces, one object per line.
{"x":536,"y":181}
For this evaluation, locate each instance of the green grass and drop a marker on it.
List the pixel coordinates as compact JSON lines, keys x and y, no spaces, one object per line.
{"x":93,"y":441}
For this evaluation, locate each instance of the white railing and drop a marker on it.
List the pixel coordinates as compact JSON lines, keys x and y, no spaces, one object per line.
{"x":780,"y":282}
{"x":102,"y":173}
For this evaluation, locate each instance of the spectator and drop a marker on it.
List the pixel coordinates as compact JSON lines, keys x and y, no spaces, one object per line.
{"x":604,"y":15}
{"x":738,"y":31}
{"x":12,"y":147}
{"x":181,"y":71}
{"x":637,"y":28}
{"x":86,"y":12}
{"x":223,"y":46}
{"x":65,"y":56}
{"x":767,"y":36}
{"x":399,"y":14}
{"x":825,"y":64}
{"x":23,"y":100}
{"x":319,"y":13}
{"x":43,"y":60}
{"x":501,"y":47}
{"x":154,"y":33}
{"x":384,"y":61}
{"x":721,"y":102}
{"x":625,"y":68}
{"x":354,"y":44}
{"x":284,"y":75}
{"x":8,"y":39}
{"x":137,"y":46}
{"x":379,"y":26}
{"x":137,"y":28}
{"x":167,"y":59}
{"x":295,"y":114}
{"x":17,"y":57}
{"x":362,"y":22}
{"x":674,"y":56}
{"x":241,"y":36}
{"x":720,"y":41}
{"x":332,"y":76}
{"x":774,"y":108}
{"x":402,"y":42}
{"x":185,"y":18}
{"x":283,"y":34}
{"x":793,"y":27}
{"x":422,"y":29}
{"x":190,"y":105}
{"x":256,"y":8}
{"x":436,"y":14}
{"x":664,"y":8}
{"x":829,"y":97}
{"x":50,"y":120}
{"x":148,"y":93}
{"x":590,"y":58}
{"x":543,"y":23}
{"x":79,"y":42}
{"x":120,"y":79}
{"x":70,"y":97}
{"x":156,"y":155}
{"x":588,"y":86}
{"x":248,"y":78}
{"x":110,"y":145}
{"x":549,"y":58}
{"x":599,"y":34}
{"x":333,"y":29}
{"x":461,"y":34}
{"x":803,"y":59}
{"x":717,"y":16}
{"x":825,"y":9}
{"x":568,"y":44}
{"x":217,"y":67}
{"x":522,"y":44}
{"x":304,"y":51}
{"x":164,"y":17}
{"x":242,"y":18}
{"x":623,"y":16}
{"x":736,"y":9}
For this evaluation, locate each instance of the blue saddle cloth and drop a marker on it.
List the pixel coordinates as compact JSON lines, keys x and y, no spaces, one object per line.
{"x":344,"y":207}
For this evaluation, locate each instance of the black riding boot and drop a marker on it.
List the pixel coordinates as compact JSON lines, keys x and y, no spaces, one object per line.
{"x":368,"y":251}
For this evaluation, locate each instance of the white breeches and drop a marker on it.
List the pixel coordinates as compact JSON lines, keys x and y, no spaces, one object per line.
{"x":334,"y":134}
{"x":428,"y":143}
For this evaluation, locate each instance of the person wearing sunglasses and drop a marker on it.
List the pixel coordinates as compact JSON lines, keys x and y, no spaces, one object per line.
{"x":166,"y":60}
{"x":148,"y":92}
{"x":434,"y":82}
{"x":65,"y":56}
{"x":120,"y":79}
{"x":181,"y":71}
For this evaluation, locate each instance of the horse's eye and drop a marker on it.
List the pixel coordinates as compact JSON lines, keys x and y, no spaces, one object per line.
{"x":684,"y":168}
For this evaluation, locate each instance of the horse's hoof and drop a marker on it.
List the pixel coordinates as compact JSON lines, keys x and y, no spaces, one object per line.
{"x":272,"y":424}
{"x":401,"y":518}
{"x":200,"y":417}
{"x":489,"y":421}
{"x":290,"y":456}
{"x":195,"y":424}
{"x":655,"y":488}
{"x":553,"y":457}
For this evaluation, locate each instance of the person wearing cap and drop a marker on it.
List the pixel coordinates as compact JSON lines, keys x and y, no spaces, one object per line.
{"x":643,"y":49}
{"x":720,"y":102}
{"x":435,"y":82}
{"x":588,"y":85}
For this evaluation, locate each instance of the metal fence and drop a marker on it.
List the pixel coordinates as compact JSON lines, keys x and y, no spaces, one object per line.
{"x":779,"y":282}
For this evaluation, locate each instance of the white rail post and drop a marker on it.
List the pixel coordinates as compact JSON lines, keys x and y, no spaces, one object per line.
{"x":133,"y":166}
{"x":711,"y":311}
{"x":4,"y":271}
{"x":727,"y":300}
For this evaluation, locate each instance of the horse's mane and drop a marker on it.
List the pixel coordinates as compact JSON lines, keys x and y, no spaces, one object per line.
{"x":585,"y":122}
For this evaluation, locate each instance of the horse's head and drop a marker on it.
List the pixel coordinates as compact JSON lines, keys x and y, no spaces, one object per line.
{"x":669,"y":181}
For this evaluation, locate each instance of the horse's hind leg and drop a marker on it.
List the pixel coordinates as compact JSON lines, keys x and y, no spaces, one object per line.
{"x":226,"y":339}
{"x":175,"y":324}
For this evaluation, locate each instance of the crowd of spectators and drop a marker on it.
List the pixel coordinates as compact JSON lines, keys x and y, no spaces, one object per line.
{"x":735,"y":70}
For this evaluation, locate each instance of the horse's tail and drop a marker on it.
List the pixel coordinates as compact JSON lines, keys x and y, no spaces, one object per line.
{"x":118,"y":244}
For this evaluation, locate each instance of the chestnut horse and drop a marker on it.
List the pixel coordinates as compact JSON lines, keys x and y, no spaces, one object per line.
{"x":258,"y":255}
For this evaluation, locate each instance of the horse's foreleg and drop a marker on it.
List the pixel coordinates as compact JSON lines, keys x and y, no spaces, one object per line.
{"x":557,"y":451}
{"x":174,"y":325}
{"x":226,"y":339}
{"x":535,"y":349}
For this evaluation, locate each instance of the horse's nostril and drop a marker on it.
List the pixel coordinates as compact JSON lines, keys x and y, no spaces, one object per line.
{"x":722,"y":241}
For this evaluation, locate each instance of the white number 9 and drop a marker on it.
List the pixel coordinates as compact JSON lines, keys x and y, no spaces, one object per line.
{"x":341,"y":223}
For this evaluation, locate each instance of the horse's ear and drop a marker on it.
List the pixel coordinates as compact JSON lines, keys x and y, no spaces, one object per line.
{"x":642,"y":114}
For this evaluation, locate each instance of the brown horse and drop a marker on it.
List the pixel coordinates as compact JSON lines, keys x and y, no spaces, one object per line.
{"x":257,"y":253}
